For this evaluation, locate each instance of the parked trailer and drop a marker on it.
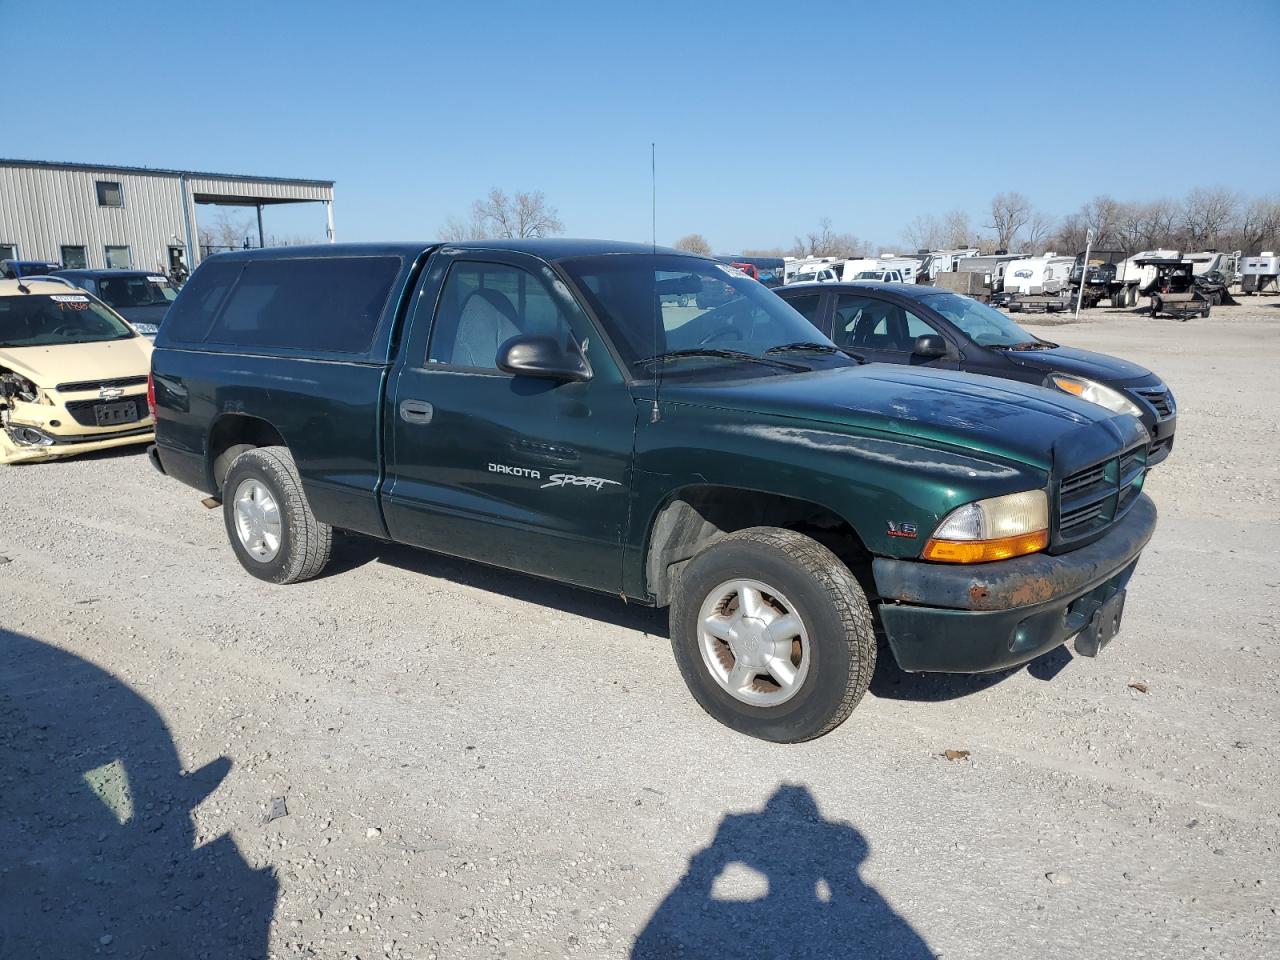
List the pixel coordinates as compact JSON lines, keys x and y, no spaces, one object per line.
{"x":1174,"y":291}
{"x":1027,"y":303}
{"x":934,"y":262}
{"x":991,"y":269}
{"x":1260,"y":274}
{"x":1037,"y":276}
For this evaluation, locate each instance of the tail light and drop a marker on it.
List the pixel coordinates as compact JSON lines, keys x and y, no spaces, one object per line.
{"x":151,"y":393}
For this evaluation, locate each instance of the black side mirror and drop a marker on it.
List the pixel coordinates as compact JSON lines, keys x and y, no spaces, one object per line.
{"x":929,"y":346}
{"x":532,"y":356}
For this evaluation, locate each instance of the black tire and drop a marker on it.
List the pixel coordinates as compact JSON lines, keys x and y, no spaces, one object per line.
{"x":828,"y":601}
{"x":305,"y":542}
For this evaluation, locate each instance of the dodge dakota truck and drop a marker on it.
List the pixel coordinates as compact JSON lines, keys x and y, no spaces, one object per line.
{"x":566,"y":409}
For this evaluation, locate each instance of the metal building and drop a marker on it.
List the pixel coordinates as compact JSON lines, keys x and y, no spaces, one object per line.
{"x":86,"y":215}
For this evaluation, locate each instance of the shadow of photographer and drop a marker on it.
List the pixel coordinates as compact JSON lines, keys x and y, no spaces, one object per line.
{"x":780,"y":883}
{"x":97,"y":847}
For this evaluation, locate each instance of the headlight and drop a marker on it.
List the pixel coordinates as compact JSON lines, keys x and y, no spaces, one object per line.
{"x":1095,"y":392}
{"x":12,"y":385}
{"x":994,"y":529}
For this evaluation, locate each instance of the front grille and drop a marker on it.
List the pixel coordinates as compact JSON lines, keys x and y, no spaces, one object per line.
{"x":83,"y":410}
{"x":1160,"y":399}
{"x":1090,"y":500}
{"x":79,"y":386}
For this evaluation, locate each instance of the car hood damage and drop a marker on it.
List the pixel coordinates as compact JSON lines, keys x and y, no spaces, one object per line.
{"x":79,"y":362}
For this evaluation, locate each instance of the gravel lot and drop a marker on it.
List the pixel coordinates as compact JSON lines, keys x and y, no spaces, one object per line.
{"x":476,"y":764}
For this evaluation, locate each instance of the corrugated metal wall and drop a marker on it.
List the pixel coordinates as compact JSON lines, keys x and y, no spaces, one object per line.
{"x":43,"y":209}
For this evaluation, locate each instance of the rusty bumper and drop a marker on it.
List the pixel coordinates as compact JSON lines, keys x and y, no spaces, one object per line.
{"x":990,"y":616}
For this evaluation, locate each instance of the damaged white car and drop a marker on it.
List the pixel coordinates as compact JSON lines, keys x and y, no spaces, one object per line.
{"x":73,"y":374}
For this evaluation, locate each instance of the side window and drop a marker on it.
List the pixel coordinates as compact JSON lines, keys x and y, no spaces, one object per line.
{"x":325,"y":304}
{"x":917,"y":327}
{"x":806,"y":306}
{"x":191,"y":315}
{"x":871,"y":324}
{"x":482,"y":306}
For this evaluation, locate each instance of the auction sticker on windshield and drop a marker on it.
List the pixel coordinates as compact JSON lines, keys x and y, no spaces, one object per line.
{"x":68,"y":298}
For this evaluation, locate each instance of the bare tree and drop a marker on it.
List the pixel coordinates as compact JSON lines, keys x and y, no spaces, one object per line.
{"x":1039,"y":228}
{"x":456,"y":230}
{"x":1259,"y":226}
{"x":694,"y":243}
{"x":956,"y":229}
{"x":498,"y":216}
{"x":1009,"y":213}
{"x":227,"y":231}
{"x":824,"y":242}
{"x":778,"y":252}
{"x":924,"y":233}
{"x":1207,"y":215}
{"x":1070,"y":237}
{"x":528,"y":215}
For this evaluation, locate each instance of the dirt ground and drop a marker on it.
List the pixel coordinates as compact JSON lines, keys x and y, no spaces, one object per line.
{"x":414,"y":757}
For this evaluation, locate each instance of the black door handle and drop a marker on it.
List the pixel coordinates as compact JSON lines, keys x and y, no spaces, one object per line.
{"x":416,"y":411}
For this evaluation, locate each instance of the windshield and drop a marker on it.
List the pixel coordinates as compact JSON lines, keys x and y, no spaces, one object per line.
{"x":704,"y":306}
{"x":980,"y":323}
{"x":42,"y":321}
{"x":136,"y":291}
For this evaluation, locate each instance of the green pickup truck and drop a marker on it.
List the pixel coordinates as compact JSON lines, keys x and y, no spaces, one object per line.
{"x":567,"y":409}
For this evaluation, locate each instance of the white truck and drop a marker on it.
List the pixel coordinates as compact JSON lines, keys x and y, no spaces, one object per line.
{"x":811,"y":269}
{"x":881,"y":270}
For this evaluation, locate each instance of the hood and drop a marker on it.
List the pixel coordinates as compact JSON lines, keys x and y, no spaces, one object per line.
{"x":1084,"y":363}
{"x":1014,"y":421}
{"x":73,"y":362}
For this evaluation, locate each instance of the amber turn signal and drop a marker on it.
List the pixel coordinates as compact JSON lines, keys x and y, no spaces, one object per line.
{"x":982,"y":551}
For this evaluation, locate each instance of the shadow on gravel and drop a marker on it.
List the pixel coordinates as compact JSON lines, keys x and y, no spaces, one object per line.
{"x":891,"y":683}
{"x":797,"y":894}
{"x":353,"y":551}
{"x":96,"y":839}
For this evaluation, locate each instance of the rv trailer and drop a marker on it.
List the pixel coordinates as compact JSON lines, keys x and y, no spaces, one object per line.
{"x":1260,"y":274}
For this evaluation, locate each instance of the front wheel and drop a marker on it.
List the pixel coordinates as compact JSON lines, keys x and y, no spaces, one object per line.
{"x":773,"y":635}
{"x":272,"y":530}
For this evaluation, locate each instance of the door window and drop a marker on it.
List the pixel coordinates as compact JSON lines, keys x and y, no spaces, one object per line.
{"x":870,"y":324}
{"x":74,"y":258}
{"x":483,"y":305}
{"x":806,"y":306}
{"x":917,"y":327}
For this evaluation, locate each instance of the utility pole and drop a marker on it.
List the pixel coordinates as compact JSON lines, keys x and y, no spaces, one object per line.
{"x":1084,"y":271}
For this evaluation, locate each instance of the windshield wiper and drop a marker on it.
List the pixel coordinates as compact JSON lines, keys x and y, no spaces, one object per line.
{"x":812,"y":346}
{"x":722,"y":354}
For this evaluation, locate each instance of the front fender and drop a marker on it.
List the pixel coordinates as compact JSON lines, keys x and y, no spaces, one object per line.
{"x":883,"y":487}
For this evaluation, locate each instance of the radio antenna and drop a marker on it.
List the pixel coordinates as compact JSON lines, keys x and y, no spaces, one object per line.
{"x":655,"y":414}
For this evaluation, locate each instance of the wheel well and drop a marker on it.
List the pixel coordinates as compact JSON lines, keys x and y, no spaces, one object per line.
{"x":698,"y":516}
{"x":231,"y":436}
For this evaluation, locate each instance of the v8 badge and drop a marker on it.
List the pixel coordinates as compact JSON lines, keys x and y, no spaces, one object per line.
{"x":899,"y":528}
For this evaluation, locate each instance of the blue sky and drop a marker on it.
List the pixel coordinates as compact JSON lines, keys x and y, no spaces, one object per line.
{"x":766,"y":116}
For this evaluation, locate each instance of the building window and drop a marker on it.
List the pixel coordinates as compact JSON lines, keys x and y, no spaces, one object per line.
{"x":119,"y":258}
{"x":110,"y":194}
{"x":8,"y":251}
{"x":75,"y":258}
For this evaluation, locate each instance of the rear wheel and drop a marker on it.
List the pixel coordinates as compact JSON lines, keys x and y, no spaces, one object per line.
{"x":272,"y":530}
{"x":773,"y":635}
